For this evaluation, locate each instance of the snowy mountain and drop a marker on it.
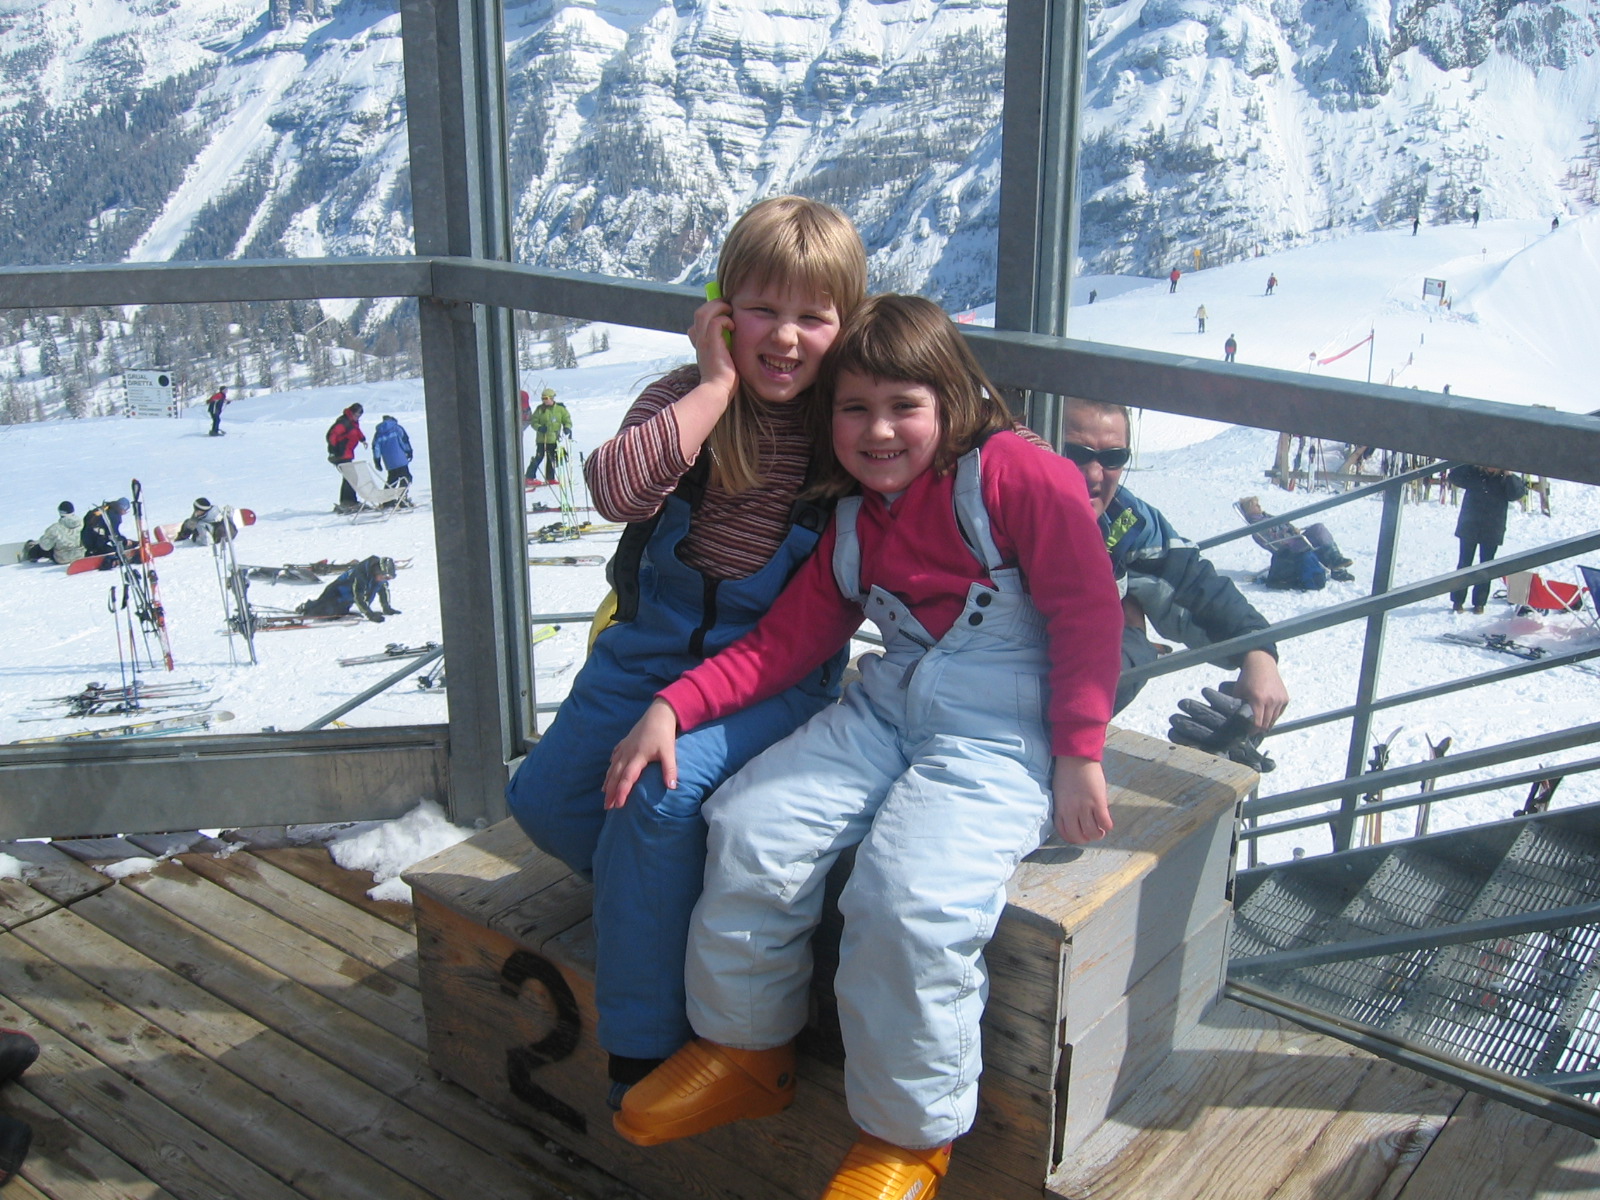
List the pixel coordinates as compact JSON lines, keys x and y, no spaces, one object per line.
{"x":213,"y":128}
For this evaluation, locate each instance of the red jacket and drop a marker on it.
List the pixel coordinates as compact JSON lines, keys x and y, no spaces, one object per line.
{"x":345,"y":437}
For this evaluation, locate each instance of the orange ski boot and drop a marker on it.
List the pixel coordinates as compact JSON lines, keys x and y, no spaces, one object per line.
{"x":879,"y":1170}
{"x":702,"y":1086}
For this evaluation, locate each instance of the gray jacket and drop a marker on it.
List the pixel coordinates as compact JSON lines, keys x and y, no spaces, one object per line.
{"x":64,"y":539}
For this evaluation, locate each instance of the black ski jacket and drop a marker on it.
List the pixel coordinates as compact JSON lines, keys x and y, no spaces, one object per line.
{"x":1486,"y":494}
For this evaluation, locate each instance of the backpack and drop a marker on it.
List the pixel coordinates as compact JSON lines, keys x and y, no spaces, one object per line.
{"x":1296,"y":570}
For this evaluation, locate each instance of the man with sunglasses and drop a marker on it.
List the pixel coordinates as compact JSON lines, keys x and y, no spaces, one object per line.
{"x":1163,"y":577}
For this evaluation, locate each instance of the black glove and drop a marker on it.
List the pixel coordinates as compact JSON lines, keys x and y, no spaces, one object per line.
{"x":391,"y":612}
{"x":375,"y":618}
{"x":1223,"y":725}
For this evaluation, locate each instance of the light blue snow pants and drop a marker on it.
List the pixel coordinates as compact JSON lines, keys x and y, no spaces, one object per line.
{"x":938,"y":765}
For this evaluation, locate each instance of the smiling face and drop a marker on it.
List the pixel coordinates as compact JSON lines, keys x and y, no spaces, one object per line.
{"x":1099,"y":429}
{"x":779,"y":338}
{"x":885,"y":431}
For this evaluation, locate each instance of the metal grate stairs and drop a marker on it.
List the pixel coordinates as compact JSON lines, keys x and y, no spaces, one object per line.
{"x":1522,"y":1002}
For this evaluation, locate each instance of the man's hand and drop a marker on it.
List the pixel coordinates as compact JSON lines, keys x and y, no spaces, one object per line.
{"x":1261,"y":687}
{"x":1079,"y":809}
{"x":653,"y":739}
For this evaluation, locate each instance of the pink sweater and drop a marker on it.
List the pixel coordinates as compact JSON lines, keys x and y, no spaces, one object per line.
{"x":1039,"y":511}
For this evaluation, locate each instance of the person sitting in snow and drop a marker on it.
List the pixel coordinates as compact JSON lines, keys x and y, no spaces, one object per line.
{"x":206,"y":524}
{"x":102,"y":532}
{"x":62,"y":542}
{"x":1302,"y":559}
{"x":362,"y":584}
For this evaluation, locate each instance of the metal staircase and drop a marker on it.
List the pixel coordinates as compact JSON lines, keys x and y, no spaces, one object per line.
{"x":1476,"y":951}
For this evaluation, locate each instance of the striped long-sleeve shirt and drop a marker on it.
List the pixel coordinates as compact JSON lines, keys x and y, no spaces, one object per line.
{"x":730,"y":536}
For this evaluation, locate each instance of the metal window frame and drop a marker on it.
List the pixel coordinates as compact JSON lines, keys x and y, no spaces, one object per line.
{"x":467,"y":289}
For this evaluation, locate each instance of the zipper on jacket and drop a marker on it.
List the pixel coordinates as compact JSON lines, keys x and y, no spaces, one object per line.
{"x":708,"y":618}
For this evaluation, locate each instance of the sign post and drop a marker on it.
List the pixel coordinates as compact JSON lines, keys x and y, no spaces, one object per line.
{"x":149,"y":394}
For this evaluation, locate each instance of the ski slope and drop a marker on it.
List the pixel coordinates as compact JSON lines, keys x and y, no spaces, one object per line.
{"x":1522,"y":297}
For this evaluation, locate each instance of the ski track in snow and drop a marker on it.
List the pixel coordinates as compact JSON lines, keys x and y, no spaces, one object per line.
{"x":1497,"y":342}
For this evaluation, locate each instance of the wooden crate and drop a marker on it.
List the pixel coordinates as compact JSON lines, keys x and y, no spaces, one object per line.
{"x":1105,"y":956}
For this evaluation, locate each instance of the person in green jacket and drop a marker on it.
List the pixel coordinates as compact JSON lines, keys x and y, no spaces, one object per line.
{"x":550,"y":423}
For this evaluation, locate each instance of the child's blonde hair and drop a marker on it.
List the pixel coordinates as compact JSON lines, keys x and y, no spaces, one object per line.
{"x":909,"y":339}
{"x":794,"y":242}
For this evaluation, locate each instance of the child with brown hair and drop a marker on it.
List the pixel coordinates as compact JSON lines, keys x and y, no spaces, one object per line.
{"x":978,"y":556}
{"x":707,"y":468}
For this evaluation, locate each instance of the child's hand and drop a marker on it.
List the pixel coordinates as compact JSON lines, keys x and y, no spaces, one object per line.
{"x":713,"y":323}
{"x":1081,"y":811}
{"x":653,"y":739}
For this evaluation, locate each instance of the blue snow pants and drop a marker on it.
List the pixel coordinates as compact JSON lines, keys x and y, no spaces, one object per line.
{"x":647,"y":859}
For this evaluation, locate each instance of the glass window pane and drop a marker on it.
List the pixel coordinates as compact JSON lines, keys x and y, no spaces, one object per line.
{"x":104,"y":404}
{"x":638,"y":138}
{"x":1302,"y":183}
{"x":184,"y":131}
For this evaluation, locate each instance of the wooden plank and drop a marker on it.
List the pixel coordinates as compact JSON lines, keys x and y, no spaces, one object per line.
{"x":546,"y":914}
{"x":1160,"y":794}
{"x":488,"y":873}
{"x":270,"y":1134}
{"x":361,"y":1116}
{"x":20,"y":904}
{"x":323,"y":1027}
{"x":1226,"y":1116}
{"x":1490,"y":1151}
{"x":363,"y":937}
{"x":315,"y":866}
{"x":20,"y":1189}
{"x":270,"y":940}
{"x":173,"y":1151}
{"x":54,"y":874}
{"x":65,"y":1162}
{"x":528,"y":1048}
{"x":1116,"y":1054}
{"x":1371,"y":1148}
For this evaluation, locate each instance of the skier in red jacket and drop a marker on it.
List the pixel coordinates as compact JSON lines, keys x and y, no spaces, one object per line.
{"x":344,"y":439}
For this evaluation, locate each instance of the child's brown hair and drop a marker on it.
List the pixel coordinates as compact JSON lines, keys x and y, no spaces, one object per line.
{"x":791,"y":241}
{"x":910,"y":339}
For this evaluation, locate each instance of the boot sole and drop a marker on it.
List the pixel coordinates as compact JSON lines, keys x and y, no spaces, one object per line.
{"x":740,"y":1109}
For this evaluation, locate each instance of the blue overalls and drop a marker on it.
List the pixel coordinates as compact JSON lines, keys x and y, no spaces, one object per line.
{"x":647,"y":858}
{"x":937,"y":765}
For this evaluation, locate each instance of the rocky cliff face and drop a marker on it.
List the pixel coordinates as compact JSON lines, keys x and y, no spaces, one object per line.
{"x":639,"y":128}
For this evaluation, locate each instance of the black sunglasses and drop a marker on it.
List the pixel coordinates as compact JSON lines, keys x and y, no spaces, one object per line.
{"x":1112,"y":460}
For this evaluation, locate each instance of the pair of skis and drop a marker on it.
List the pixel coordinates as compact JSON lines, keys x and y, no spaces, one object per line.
{"x":392,"y":652}
{"x":161,"y":727}
{"x":96,"y":699}
{"x":1371,"y":829}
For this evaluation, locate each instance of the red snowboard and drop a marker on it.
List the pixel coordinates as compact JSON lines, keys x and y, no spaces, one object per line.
{"x":142,"y":554}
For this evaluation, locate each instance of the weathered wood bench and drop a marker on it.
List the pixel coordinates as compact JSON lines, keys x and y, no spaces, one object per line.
{"x":1104,"y":958}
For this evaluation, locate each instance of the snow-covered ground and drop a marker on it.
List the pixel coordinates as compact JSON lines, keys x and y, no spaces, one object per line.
{"x":1503,"y":338}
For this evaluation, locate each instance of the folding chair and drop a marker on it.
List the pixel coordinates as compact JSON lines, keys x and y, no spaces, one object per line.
{"x":369,"y":491}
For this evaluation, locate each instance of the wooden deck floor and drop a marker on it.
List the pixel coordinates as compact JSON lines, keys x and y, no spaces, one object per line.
{"x":243,"y":1027}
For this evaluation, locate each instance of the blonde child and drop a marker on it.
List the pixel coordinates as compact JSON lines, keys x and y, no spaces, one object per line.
{"x":707,"y":468}
{"x":978,"y":556}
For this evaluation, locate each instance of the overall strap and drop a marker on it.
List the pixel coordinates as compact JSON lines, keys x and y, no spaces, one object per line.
{"x":972,"y":514}
{"x":622,"y":572}
{"x":847,"y":550}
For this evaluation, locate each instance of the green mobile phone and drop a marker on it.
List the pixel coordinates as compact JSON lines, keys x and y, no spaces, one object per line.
{"x":714,"y":292}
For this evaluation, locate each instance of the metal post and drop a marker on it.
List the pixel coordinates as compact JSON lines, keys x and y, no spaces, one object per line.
{"x":1038,"y":237}
{"x":454,"y":55}
{"x":1371,"y":659}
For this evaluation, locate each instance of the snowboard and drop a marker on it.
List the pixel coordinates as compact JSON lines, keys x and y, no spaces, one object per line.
{"x":11,"y":552}
{"x":140,"y":554}
{"x":566,"y":560}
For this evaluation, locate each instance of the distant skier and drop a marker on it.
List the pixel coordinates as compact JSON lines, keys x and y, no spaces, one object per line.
{"x":214,"y":406}
{"x":1555,"y":224}
{"x":1272,"y":284}
{"x":1200,"y":316}
{"x":391,"y":451}
{"x":1172,"y":280}
{"x":362,"y":584}
{"x":1416,"y":223}
{"x":1093,"y":295}
{"x":344,"y":438}
{"x":102,"y":533}
{"x":1229,"y":349}
{"x":1475,"y":215}
{"x":551,"y":422}
{"x":206,"y":524}
{"x":62,"y":541}
{"x":1481,"y":527}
